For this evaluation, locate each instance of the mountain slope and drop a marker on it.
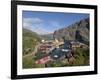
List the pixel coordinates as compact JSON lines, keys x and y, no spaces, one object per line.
{"x":70,"y":32}
{"x":30,"y":40}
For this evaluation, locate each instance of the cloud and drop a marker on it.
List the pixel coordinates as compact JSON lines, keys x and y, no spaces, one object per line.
{"x":35,"y":24}
{"x":40,"y":26}
{"x":30,"y":21}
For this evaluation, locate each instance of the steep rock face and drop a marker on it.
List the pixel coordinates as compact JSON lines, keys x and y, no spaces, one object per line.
{"x":70,"y":32}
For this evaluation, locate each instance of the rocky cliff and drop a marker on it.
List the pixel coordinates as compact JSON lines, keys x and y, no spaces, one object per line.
{"x":70,"y":32}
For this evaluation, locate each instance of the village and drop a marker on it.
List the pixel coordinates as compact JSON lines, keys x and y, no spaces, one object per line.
{"x":53,"y":45}
{"x":53,"y":50}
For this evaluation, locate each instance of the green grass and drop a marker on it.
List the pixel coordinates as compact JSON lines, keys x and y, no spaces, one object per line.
{"x":29,"y":62}
{"x":30,"y":40}
{"x":81,"y":57}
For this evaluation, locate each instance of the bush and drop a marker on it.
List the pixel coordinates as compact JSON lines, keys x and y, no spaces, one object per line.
{"x":81,"y":57}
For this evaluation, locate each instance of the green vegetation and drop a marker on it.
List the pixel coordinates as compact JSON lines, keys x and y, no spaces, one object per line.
{"x":29,"y":62}
{"x":30,"y":40}
{"x":81,"y":57}
{"x":56,"y":63}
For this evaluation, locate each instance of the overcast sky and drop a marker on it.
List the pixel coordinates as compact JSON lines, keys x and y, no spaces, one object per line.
{"x":48,"y":22}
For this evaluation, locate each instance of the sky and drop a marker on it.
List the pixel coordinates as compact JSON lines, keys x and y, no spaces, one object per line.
{"x":48,"y":22}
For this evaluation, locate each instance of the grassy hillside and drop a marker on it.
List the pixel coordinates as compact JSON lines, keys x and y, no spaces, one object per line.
{"x":29,"y":62}
{"x":30,"y":40}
